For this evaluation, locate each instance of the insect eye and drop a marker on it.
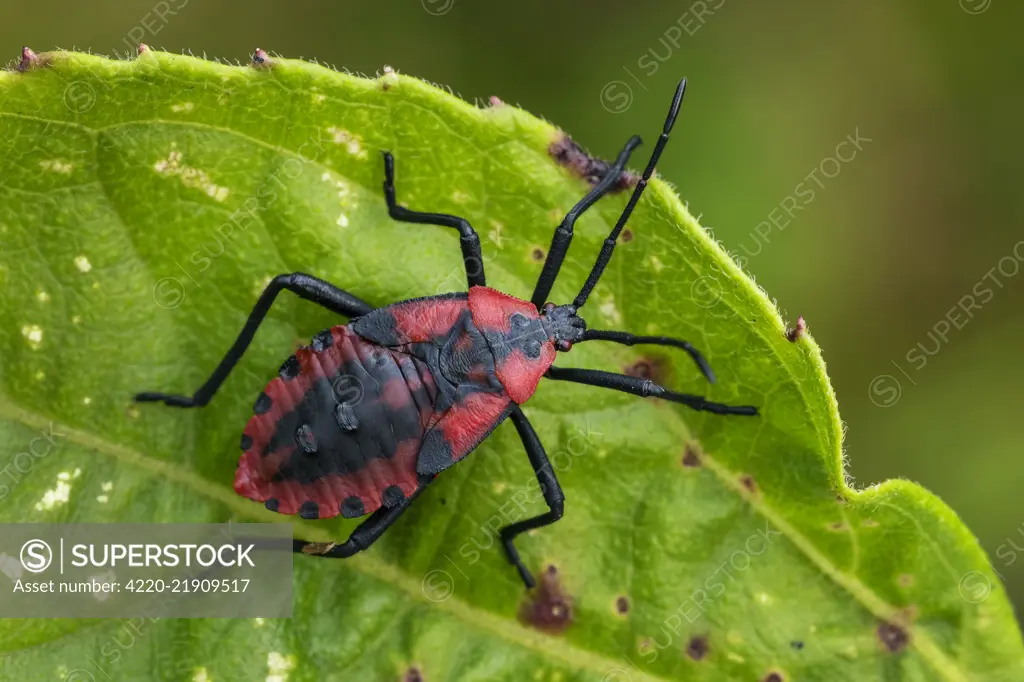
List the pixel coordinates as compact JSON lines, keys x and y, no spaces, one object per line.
{"x":564,"y":345}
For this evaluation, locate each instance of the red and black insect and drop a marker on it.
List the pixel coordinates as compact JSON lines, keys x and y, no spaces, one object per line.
{"x":363,"y":419}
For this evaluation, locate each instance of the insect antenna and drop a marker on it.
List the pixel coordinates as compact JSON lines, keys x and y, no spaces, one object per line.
{"x":609,"y":243}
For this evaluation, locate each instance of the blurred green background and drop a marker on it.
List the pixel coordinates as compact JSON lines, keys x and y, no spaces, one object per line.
{"x":893,"y":239}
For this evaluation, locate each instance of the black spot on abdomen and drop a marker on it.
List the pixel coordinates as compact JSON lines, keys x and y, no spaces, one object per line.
{"x":263,"y":404}
{"x":309,"y":510}
{"x":392,"y":496}
{"x":342,"y":423}
{"x":290,"y":368}
{"x":352,"y":507}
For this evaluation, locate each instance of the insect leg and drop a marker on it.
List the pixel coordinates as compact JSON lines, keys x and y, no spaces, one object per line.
{"x":472,"y":257}
{"x":305,"y":286}
{"x":548,"y":485}
{"x":563,"y":234}
{"x":365,"y":534}
{"x":644,"y":388}
{"x":627,"y":339}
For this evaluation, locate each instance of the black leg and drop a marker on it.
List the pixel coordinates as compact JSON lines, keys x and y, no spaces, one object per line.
{"x":563,"y":235}
{"x":609,"y":243}
{"x":644,"y":388}
{"x":468,"y":239}
{"x":368,"y":532}
{"x":305,"y":286}
{"x":548,"y":486}
{"x":627,"y":339}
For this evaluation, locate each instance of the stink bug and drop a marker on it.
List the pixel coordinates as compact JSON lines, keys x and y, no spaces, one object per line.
{"x":363,"y":419}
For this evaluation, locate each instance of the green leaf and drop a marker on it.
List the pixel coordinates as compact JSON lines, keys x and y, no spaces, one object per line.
{"x":143,"y":206}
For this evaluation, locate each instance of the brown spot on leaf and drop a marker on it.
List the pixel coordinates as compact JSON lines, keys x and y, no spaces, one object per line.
{"x":909,"y":613}
{"x":697,"y":647}
{"x":413,"y":674}
{"x":537,"y":254}
{"x":647,"y":368}
{"x":838,"y":526}
{"x":622,"y":605}
{"x":773,"y":676}
{"x":627,"y":235}
{"x":548,"y":608}
{"x":691,"y":455}
{"x":388,"y":77}
{"x":261,"y":60}
{"x":29,"y":60}
{"x":892,"y":636}
{"x":748,"y":482}
{"x":869,"y":523}
{"x":905,"y":580}
{"x":570,"y":155}
{"x":797,"y":331}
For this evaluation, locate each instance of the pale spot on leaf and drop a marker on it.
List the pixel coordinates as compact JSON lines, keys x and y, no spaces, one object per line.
{"x":56,"y":496}
{"x":353,"y":143}
{"x":57,"y":166}
{"x":190,"y":177}
{"x":279,"y":666}
{"x":83,"y":264}
{"x":33,"y":333}
{"x":609,"y":310}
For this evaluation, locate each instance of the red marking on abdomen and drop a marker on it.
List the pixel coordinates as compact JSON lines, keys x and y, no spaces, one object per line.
{"x":255,"y":473}
{"x":330,"y":491}
{"x":395,"y":393}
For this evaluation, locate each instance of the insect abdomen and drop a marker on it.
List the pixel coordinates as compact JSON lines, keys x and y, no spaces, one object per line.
{"x":339,"y":431}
